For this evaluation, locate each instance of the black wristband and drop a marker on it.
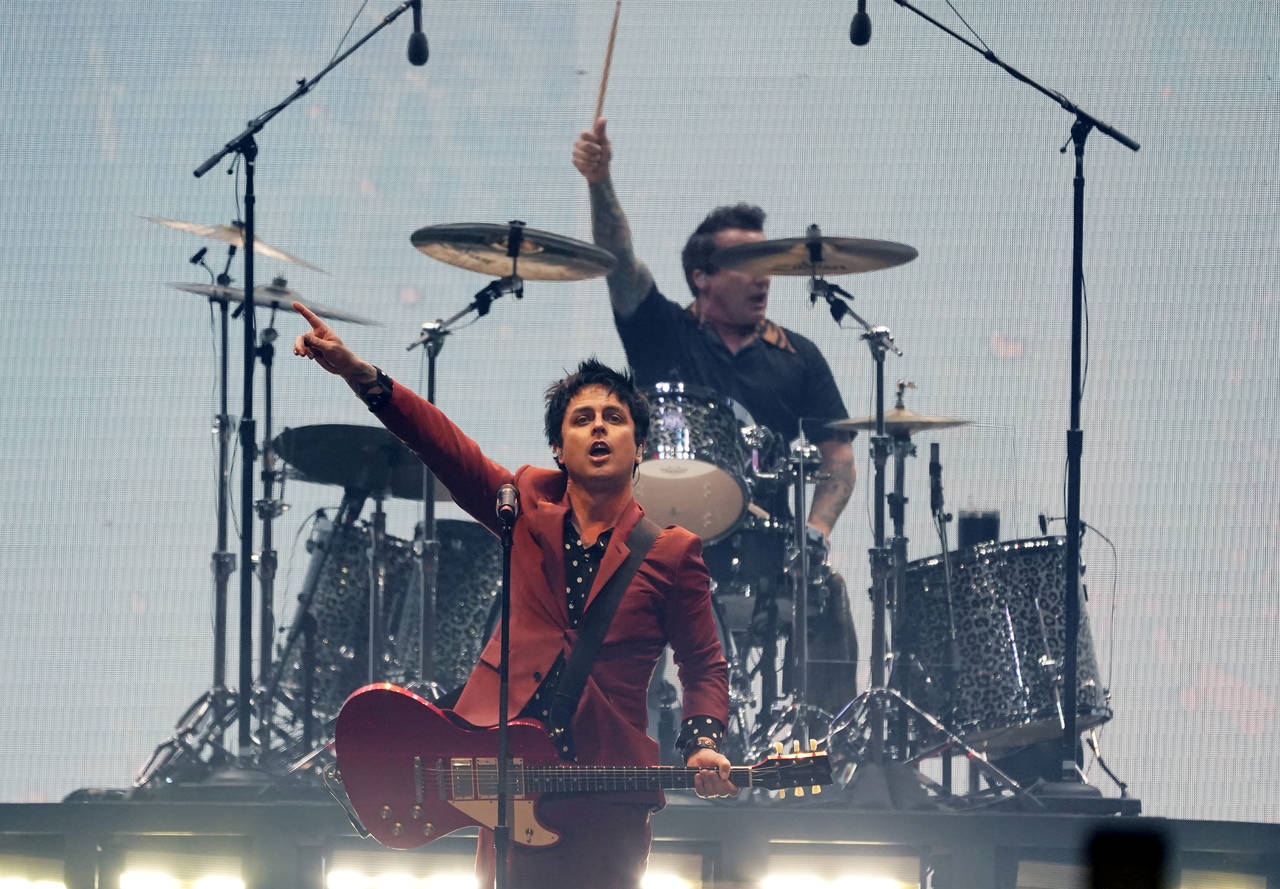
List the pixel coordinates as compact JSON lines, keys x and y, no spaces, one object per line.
{"x":377,"y":394}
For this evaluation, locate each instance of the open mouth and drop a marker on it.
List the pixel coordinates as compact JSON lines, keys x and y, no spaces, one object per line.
{"x":599,"y":449}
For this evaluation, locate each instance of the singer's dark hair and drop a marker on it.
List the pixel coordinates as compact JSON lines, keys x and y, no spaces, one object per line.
{"x":702,"y":243}
{"x":593,"y":372}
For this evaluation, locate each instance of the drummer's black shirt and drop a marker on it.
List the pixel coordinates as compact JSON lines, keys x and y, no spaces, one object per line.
{"x":780,"y":377}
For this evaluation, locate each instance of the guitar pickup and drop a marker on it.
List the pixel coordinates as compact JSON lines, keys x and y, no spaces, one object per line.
{"x":478,"y":778}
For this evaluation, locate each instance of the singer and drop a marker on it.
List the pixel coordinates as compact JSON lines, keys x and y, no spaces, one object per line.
{"x":569,"y":538}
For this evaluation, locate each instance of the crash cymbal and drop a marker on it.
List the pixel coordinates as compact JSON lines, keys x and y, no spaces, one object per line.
{"x":275,"y":295}
{"x":233,"y":234}
{"x":791,"y":256}
{"x":482,"y":247}
{"x":357,"y":458}
{"x":899,"y":421}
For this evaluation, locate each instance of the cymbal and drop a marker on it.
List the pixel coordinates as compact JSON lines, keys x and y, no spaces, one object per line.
{"x":275,"y":295}
{"x":899,"y":421}
{"x":357,"y":458}
{"x":791,"y":256}
{"x":482,"y":247}
{"x":233,"y":234}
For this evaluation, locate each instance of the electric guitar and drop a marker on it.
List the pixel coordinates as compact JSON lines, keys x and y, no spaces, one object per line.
{"x":414,"y":773}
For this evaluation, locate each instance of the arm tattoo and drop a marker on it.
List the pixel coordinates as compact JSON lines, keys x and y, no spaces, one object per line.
{"x":832,"y":493}
{"x":631,"y":279}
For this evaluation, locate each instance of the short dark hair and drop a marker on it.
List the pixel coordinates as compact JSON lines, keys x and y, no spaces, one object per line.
{"x":702,"y":243}
{"x":593,"y":372}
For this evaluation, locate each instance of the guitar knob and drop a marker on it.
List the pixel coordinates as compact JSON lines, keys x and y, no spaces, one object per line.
{"x":813,"y":745}
{"x":795,"y":746}
{"x":385,"y":813}
{"x":777,"y":747}
{"x":428,"y":829}
{"x":816,"y":789}
{"x":397,"y":829}
{"x":415,"y":813}
{"x":799,"y":791}
{"x":782,"y":793}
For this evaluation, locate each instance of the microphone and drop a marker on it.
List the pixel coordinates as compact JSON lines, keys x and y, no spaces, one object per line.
{"x":417,"y":40}
{"x":935,"y":480}
{"x":860,"y":27}
{"x":199,"y":257}
{"x":508,"y":505}
{"x":1044,"y":525}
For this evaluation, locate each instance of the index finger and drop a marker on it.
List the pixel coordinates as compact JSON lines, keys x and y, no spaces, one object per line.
{"x":312,"y":318}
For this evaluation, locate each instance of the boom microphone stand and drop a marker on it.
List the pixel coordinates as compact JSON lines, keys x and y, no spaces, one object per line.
{"x":245,"y":146}
{"x":1080,"y":129}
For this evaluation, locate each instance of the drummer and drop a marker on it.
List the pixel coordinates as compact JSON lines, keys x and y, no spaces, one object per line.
{"x":723,"y":339}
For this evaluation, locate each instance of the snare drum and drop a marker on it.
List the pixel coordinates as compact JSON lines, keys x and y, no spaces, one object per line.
{"x":693,"y":471}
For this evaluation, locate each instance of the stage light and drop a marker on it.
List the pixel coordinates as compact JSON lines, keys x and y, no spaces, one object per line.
{"x":215,"y":882}
{"x":459,"y":880}
{"x":792,"y":881}
{"x":664,"y":880}
{"x":147,"y":879}
{"x":345,"y":879}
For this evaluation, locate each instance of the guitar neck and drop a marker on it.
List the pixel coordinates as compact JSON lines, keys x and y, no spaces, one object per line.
{"x":586,"y":779}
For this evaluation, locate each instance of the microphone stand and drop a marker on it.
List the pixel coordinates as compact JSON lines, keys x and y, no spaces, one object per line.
{"x":1071,"y":779}
{"x":245,"y":146}
{"x":502,"y":830}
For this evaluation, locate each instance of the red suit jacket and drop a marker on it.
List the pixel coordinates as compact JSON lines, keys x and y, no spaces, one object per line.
{"x":668,"y":600}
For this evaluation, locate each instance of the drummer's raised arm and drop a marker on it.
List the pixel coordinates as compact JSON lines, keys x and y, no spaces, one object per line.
{"x":630,"y":281}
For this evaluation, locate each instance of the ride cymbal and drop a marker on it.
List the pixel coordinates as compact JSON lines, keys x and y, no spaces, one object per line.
{"x":233,"y":234}
{"x":543,"y":256}
{"x":899,"y":421}
{"x":816,"y":257}
{"x":368,"y":459}
{"x":275,"y":295}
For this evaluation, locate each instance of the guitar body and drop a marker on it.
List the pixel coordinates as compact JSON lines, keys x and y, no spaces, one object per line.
{"x":414,"y":772}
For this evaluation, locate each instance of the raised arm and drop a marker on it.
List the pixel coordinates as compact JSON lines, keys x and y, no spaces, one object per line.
{"x":630,"y":281}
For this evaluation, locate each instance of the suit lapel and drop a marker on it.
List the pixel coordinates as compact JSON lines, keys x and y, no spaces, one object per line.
{"x":617,"y":551}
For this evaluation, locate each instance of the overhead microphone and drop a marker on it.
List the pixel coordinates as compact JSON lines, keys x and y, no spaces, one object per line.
{"x":860,"y":27}
{"x":417,"y":40}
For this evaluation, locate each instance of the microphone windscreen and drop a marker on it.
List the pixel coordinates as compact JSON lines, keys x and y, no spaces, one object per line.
{"x":860,"y":29}
{"x":418,"y":48}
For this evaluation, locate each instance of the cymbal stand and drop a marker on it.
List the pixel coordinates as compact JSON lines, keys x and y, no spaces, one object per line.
{"x":268,"y":509}
{"x":245,"y":145}
{"x":800,"y":602}
{"x":203,"y":726}
{"x":431,"y":338}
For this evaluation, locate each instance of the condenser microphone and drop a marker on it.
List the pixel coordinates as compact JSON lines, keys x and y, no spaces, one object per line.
{"x":860,"y":27}
{"x":417,"y":40}
{"x":508,"y":504}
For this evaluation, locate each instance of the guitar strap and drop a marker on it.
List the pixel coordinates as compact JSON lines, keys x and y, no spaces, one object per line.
{"x":591,"y":633}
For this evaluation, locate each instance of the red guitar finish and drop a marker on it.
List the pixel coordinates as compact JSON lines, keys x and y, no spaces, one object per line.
{"x":414,"y":772}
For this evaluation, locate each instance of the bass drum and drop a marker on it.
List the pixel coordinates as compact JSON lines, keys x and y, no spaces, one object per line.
{"x":1007,"y":604}
{"x":694,"y":470}
{"x":469,"y":580}
{"x":469,"y":584}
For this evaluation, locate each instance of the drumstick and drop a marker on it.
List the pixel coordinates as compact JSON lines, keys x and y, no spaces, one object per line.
{"x":608,"y":58}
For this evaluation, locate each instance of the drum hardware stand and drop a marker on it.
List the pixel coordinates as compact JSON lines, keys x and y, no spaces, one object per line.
{"x":431,"y":338}
{"x":205,"y":722}
{"x":1071,"y":783}
{"x":268,"y":509}
{"x":246,"y":147}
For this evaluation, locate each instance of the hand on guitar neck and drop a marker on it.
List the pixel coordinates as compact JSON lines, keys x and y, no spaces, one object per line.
{"x":415,"y":773}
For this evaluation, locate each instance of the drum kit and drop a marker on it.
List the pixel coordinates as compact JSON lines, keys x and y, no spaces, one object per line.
{"x":973,"y":663}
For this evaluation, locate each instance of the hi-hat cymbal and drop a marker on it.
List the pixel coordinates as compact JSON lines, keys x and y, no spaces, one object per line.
{"x":543,"y":256}
{"x":792,"y":256}
{"x":234,"y":235}
{"x":275,"y":295}
{"x":368,"y":459}
{"x":899,"y":421}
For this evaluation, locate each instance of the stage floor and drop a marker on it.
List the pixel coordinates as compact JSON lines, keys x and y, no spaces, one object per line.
{"x":300,"y":843}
